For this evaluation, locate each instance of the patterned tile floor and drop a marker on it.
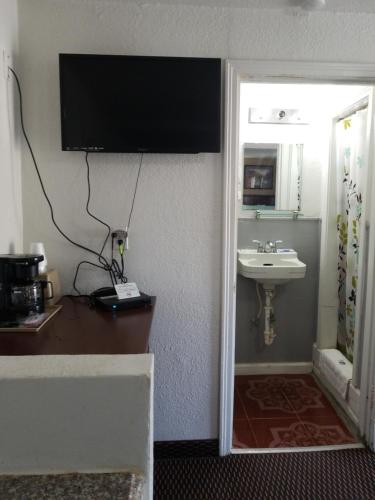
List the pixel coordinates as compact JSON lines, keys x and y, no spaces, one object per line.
{"x":283,"y":411}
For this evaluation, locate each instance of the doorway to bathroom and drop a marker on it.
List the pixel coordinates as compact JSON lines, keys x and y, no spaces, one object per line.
{"x":295,"y":368}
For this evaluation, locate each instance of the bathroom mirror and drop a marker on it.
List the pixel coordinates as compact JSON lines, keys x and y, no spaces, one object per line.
{"x":272,"y":176}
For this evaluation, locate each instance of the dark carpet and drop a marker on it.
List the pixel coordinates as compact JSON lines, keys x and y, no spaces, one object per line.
{"x":195,"y":448}
{"x":341,"y":475}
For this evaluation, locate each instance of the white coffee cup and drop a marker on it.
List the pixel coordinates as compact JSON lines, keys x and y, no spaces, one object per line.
{"x":37,"y":248}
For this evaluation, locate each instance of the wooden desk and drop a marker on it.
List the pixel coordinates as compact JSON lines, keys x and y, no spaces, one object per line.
{"x":77,"y":329}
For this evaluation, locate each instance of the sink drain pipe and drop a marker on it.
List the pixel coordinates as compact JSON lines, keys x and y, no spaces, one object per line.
{"x":269,"y":317}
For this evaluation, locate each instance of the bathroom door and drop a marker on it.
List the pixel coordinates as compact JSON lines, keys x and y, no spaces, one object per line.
{"x":364,"y":346}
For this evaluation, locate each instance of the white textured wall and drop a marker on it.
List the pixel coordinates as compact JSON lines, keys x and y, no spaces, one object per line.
{"x":77,"y":414}
{"x":176,"y":235}
{"x":10,"y":164}
{"x":319,"y":104}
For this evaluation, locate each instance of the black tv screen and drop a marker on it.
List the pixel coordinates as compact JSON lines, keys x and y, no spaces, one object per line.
{"x":140,"y":104}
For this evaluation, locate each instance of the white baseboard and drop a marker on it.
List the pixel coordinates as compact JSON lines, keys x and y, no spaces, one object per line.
{"x":272,"y":368}
{"x":354,"y":396}
{"x":349,"y":405}
{"x":297,"y":449}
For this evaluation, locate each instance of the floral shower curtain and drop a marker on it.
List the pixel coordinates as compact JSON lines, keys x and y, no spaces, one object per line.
{"x":351,"y":176}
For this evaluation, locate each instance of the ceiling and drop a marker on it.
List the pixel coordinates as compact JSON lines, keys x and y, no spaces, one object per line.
{"x":360,"y":6}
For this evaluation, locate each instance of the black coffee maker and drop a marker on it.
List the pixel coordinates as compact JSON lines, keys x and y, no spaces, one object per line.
{"x":21,"y":293}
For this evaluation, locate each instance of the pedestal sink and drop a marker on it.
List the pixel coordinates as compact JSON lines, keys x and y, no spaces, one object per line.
{"x":269,"y":269}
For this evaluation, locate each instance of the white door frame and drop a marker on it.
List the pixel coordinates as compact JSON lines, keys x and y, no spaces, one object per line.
{"x":278,"y":72}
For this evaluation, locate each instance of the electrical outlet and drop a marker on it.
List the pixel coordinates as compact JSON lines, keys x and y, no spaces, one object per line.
{"x":121,"y":234}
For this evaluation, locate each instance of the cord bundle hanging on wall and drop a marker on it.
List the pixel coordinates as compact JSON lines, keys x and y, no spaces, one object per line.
{"x":116,"y":273}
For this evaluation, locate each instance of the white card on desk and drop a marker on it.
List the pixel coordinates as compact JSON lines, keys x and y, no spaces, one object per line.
{"x":127,"y":290}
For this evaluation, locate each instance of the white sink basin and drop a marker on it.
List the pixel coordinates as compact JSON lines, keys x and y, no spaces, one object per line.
{"x":270,"y":268}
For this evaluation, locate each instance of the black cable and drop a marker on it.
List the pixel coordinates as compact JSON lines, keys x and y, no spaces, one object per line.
{"x":135,"y":191}
{"x":122,"y":264}
{"x":77,"y":270}
{"x":38,"y":173}
{"x":116,"y":268}
{"x":105,"y":266}
{"x":119,"y":272}
{"x":101,"y":258}
{"x":113,"y":269}
{"x":88,"y":202}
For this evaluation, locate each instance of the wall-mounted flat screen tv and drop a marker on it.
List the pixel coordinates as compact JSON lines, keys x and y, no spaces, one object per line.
{"x":113,"y":103}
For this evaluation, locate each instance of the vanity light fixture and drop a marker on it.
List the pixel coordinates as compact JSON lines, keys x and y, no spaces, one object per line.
{"x":277,"y":116}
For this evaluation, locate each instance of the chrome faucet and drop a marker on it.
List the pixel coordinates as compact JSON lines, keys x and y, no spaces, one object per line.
{"x":267,"y":247}
{"x":260,"y":246}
